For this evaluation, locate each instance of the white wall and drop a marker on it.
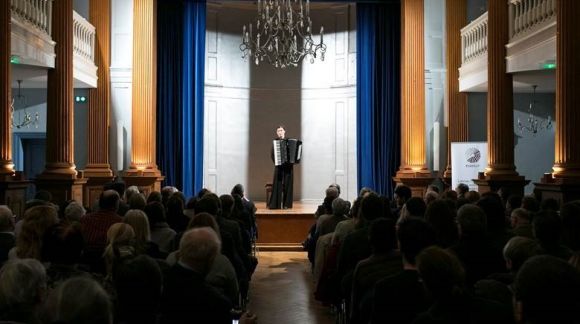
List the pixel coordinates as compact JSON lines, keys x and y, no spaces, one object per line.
{"x":244,"y":103}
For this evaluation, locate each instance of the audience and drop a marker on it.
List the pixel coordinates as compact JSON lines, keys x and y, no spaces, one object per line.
{"x":37,"y":223}
{"x":521,"y":223}
{"x":442,"y":216}
{"x":7,"y":238}
{"x":22,"y":290}
{"x":548,"y":231}
{"x":143,"y":244}
{"x":161,"y":233}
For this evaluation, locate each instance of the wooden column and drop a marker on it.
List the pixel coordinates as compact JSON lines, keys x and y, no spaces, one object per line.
{"x":143,"y":159}
{"x":500,"y":171}
{"x":12,"y":186}
{"x":60,"y":175}
{"x":6,"y":165}
{"x":564,"y":183}
{"x":98,"y":170}
{"x":457,"y":131}
{"x":413,"y":171}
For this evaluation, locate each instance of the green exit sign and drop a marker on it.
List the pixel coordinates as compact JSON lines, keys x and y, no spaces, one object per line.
{"x":14,"y":59}
{"x":549,"y":66}
{"x":81,"y":99}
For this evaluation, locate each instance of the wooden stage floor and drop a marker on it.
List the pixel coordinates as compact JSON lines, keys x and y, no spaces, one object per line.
{"x":284,"y":229}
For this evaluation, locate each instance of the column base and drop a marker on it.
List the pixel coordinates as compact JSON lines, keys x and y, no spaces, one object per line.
{"x":146,"y":180}
{"x":561,"y":189}
{"x":515,"y":183}
{"x":417,"y":181}
{"x":13,"y":192}
{"x":62,"y":189}
{"x":94,"y":188}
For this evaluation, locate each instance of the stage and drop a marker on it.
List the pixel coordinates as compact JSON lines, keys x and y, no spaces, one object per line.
{"x":284,"y":229}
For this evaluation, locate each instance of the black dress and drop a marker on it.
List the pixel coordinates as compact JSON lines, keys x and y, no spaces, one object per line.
{"x":281,"y":185}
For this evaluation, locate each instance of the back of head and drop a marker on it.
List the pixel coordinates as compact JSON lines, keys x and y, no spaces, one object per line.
{"x":472,"y":220}
{"x":332,"y":192}
{"x":442,"y":217}
{"x":547,"y":288}
{"x":204,"y":220}
{"x":493,"y":208}
{"x":43,"y":195}
{"x":167,"y":192}
{"x":441,"y":272}
{"x":450,"y":194}
{"x":371,"y":207}
{"x":521,"y":214}
{"x":403,"y":193}
{"x":519,"y":249}
{"x":74,"y":211}
{"x":109,"y":200}
{"x":118,"y":186}
{"x":6,"y":219}
{"x":210,"y":203}
{"x":238,"y":190}
{"x":37,"y":222}
{"x":202,"y":192}
{"x":132,"y":190}
{"x":138,"y":201}
{"x":138,"y":283}
{"x":462,"y":189}
{"x":431,"y":196}
{"x":80,"y":300}
{"x":22,"y":282}
{"x":547,"y":227}
{"x":198,"y":248}
{"x":382,"y":235}
{"x":414,"y":236}
{"x":472,"y":196}
{"x":530,"y":204}
{"x":154,"y":196}
{"x":336,"y":186}
{"x":227,"y":202}
{"x":140,"y":223}
{"x":416,"y":206}
{"x":339,"y":207}
{"x":191,"y":202}
{"x":155,"y":212}
{"x":363,"y":191}
{"x":514,"y":201}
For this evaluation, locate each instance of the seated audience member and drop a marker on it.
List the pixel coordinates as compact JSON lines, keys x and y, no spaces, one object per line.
{"x":548,"y":231}
{"x":478,"y":256}
{"x":175,"y":217}
{"x":119,"y":187}
{"x":497,"y":228}
{"x":414,"y":207}
{"x":499,"y":286}
{"x":347,"y":226}
{"x":401,"y":297}
{"x":138,"y":282}
{"x":189,"y":210}
{"x":331,"y":193}
{"x":444,"y":279}
{"x":154,"y":196}
{"x":250,"y":208}
{"x":143,"y":244}
{"x":61,"y":252}
{"x":38,"y":221}
{"x":120,"y":244}
{"x":166,"y":193}
{"x":339,"y":212}
{"x":521,"y":225}
{"x":138,"y":201}
{"x":441,"y":216}
{"x":462,"y":190}
{"x":7,"y":240}
{"x":546,"y":291}
{"x":73,"y":212}
{"x":530,"y":204}
{"x":449,"y":195}
{"x":401,"y":195}
{"x":129,"y":192}
{"x":472,"y":196}
{"x":570,"y":214}
{"x":550,"y":204}
{"x":247,"y":223}
{"x":186,"y":296}
{"x":161,"y":233}
{"x":96,"y":224}
{"x":222,"y":274}
{"x":513,"y":202}
{"x":79,"y":300}
{"x":22,"y":290}
{"x":383,"y":262}
{"x":430,"y":196}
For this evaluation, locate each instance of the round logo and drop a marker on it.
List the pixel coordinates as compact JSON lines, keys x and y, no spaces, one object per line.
{"x":472,"y":155}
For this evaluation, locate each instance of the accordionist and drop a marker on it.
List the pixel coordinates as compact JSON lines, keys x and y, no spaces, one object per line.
{"x":285,"y":153}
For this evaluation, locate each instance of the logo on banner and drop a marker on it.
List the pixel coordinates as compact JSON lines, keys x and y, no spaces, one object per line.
{"x":472,"y":155}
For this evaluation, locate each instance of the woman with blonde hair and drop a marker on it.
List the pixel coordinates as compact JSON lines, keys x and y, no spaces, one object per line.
{"x":37,"y":221}
{"x":143,"y":244}
{"x":120,"y":244}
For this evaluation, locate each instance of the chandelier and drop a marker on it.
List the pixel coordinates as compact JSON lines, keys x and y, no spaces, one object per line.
{"x":283,"y":34}
{"x":533,"y":124}
{"x":20,"y":101}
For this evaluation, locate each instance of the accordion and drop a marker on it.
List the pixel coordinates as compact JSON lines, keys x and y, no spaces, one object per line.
{"x":287,"y":151}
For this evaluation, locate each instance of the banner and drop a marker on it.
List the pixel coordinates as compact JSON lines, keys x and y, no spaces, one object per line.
{"x":467,"y":160}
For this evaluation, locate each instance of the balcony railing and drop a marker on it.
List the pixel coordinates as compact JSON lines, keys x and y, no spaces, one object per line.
{"x":474,"y":39}
{"x":528,"y":15}
{"x":35,"y":12}
{"x":84,"y":37}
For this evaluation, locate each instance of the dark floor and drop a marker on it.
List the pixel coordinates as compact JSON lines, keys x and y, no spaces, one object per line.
{"x":281,"y":291}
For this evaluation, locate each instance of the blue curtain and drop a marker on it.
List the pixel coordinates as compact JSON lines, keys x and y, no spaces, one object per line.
{"x":169,"y":90}
{"x":378,"y":94}
{"x":180,"y":89}
{"x":193,"y":100}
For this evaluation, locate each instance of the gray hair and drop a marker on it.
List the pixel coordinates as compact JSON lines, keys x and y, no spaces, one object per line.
{"x":130,"y":192}
{"x":21,"y":282}
{"x":471,"y":219}
{"x":339,"y":207}
{"x":518,"y":249}
{"x":198,"y":248}
{"x":80,"y":300}
{"x":6,"y":216}
{"x":74,"y":211}
{"x":521,"y":213}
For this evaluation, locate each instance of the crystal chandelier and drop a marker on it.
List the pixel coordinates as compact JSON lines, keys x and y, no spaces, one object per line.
{"x":533,"y":124}
{"x":28,"y":119}
{"x":283,"y":34}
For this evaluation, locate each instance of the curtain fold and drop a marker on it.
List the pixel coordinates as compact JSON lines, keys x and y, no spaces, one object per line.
{"x":193,"y":77}
{"x":378,"y":94}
